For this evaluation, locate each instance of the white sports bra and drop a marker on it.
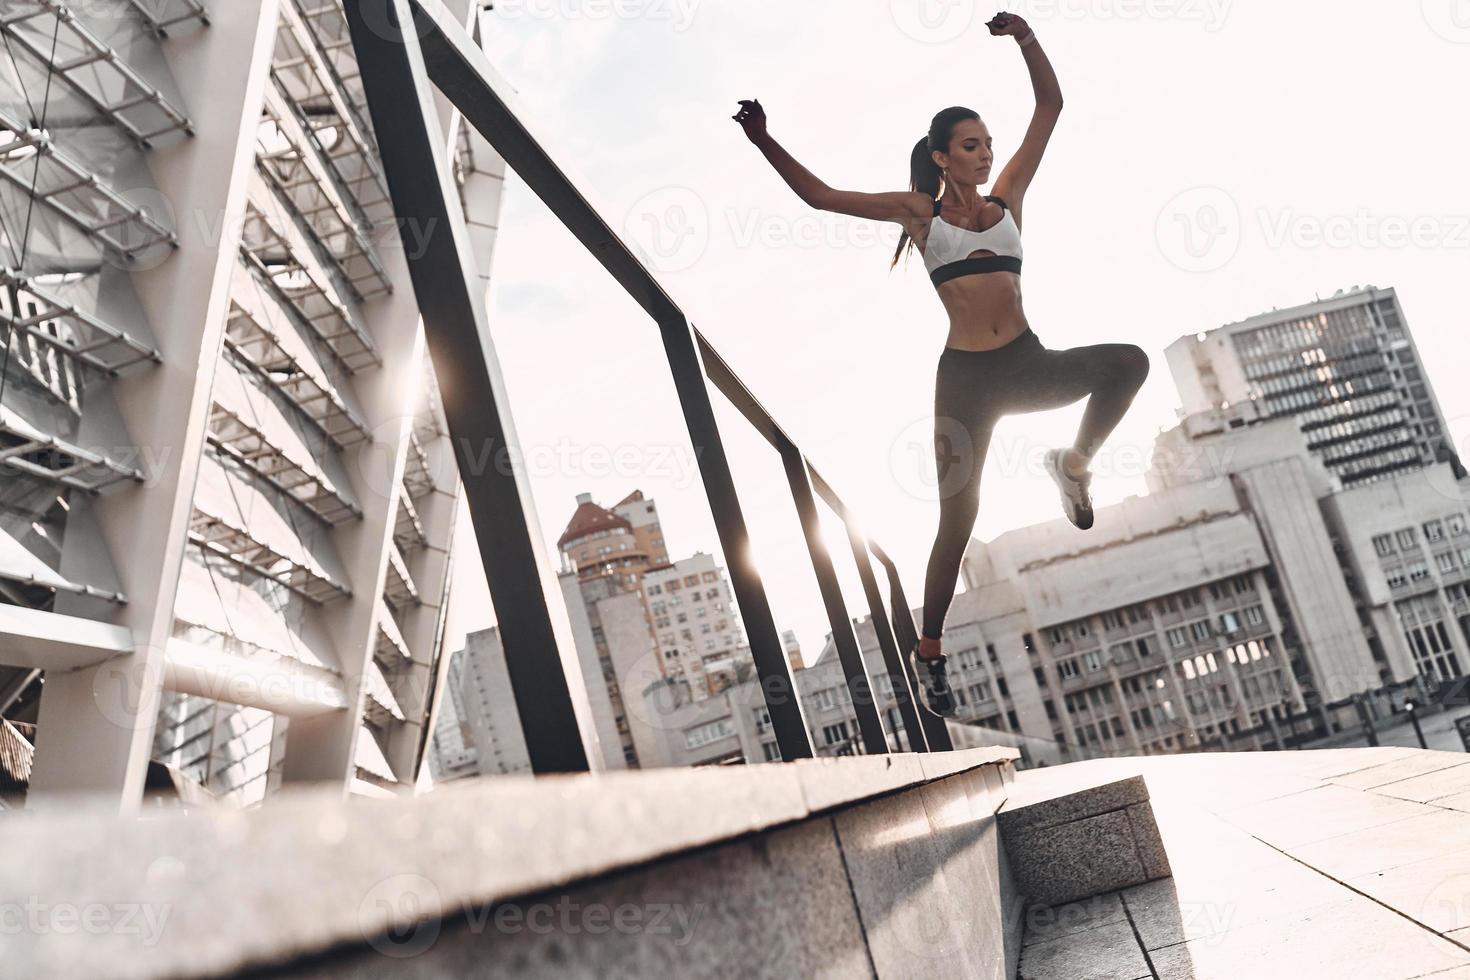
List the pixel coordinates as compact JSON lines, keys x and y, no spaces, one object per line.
{"x":947,"y":250}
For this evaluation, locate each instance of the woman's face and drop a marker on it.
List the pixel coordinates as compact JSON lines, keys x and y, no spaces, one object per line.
{"x":969,"y":157}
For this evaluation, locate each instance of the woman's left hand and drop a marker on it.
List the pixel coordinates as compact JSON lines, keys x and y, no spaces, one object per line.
{"x":1004,"y":23}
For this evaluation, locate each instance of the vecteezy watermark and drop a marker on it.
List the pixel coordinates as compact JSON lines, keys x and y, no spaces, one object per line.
{"x":940,"y":21}
{"x":679,"y":13}
{"x":932,"y":21}
{"x":669,"y":228}
{"x":1201,"y":229}
{"x":1210,"y":13}
{"x":1450,"y":19}
{"x":935,"y":458}
{"x":37,"y":917}
{"x":402,"y":916}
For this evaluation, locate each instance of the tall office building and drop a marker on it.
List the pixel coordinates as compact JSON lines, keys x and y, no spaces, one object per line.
{"x":1345,"y":368}
{"x":227,"y":495}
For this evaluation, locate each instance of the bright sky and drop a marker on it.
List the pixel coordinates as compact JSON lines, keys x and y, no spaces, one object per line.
{"x":1214,"y":160}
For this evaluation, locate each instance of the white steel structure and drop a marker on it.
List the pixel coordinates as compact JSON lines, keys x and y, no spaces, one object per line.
{"x":226,"y":491}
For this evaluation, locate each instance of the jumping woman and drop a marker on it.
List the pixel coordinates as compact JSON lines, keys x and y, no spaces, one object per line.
{"x":992,"y":363}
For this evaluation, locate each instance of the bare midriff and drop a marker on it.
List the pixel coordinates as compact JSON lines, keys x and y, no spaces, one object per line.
{"x":984,"y":309}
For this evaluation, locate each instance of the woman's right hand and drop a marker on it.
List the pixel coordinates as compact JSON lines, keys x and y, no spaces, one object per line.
{"x":752,"y":118}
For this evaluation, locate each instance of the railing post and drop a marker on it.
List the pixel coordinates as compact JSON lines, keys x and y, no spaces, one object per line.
{"x":540,"y":652}
{"x":777,"y":684}
{"x":936,"y":731}
{"x":898,"y":675}
{"x":848,"y":651}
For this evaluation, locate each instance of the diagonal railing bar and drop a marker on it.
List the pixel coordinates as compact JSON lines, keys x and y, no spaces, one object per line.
{"x":437,"y":50}
{"x":540,"y":651}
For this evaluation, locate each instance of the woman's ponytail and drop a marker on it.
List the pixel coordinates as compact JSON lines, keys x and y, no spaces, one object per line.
{"x":924,"y":174}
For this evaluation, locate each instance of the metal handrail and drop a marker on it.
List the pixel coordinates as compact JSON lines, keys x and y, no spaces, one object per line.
{"x":401,"y":71}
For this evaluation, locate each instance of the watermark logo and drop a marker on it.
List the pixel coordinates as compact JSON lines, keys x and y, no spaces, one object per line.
{"x":1450,"y":19}
{"x":399,"y":916}
{"x":669,"y":228}
{"x":36,"y":917}
{"x":1199,"y":230}
{"x":932,"y":21}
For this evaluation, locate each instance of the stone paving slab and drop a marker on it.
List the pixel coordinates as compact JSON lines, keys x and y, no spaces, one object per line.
{"x":1323,"y":880}
{"x":1423,"y":835}
{"x":1107,"y":952}
{"x":1404,"y":767}
{"x":1431,"y":786}
{"x":1353,"y":938}
{"x":1327,"y":811}
{"x":1434,"y":891}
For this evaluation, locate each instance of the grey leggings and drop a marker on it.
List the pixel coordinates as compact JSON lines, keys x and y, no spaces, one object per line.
{"x":972,"y":390}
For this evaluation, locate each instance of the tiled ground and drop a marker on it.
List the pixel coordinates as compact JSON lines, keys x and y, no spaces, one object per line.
{"x":1333,"y":863}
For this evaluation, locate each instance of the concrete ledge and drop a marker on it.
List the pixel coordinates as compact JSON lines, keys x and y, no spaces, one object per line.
{"x":308,"y":871}
{"x":1084,"y":843}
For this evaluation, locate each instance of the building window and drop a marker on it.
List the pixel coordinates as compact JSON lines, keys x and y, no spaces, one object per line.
{"x":1093,"y":660}
{"x":1406,"y":538}
{"x":711,"y":732}
{"x":1177,"y":637}
{"x":771,"y":752}
{"x":1068,"y":668}
{"x":1418,"y":571}
{"x":1395,"y":576}
{"x":1229,"y":622}
{"x":1433,"y":530}
{"x":832,"y":734}
{"x":1110,"y":620}
{"x":980,"y":692}
{"x":1455,"y":523}
{"x":762,"y":720}
{"x":1200,"y":629}
{"x":825,"y":699}
{"x":967,"y":659}
{"x":1447,"y":561}
{"x":1255,"y":615}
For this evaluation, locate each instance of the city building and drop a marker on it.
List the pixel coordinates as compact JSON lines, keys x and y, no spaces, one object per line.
{"x":692,"y":611}
{"x":1346,"y":368}
{"x":452,"y":753}
{"x":227,"y":505}
{"x":733,"y":726}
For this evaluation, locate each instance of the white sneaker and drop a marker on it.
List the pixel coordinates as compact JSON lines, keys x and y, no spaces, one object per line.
{"x":1076,"y":500}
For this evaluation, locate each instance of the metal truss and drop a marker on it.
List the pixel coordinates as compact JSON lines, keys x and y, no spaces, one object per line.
{"x":381,"y":705}
{"x":301,"y":481}
{"x":93,"y":69}
{"x":301,"y":383}
{"x":311,"y":53}
{"x":408,"y":530}
{"x":159,"y":15}
{"x":305,"y":289}
{"x":399,"y":589}
{"x":31,"y":160}
{"x":328,"y":215}
{"x":30,"y":451}
{"x":220,"y":537}
{"x":80,"y":335}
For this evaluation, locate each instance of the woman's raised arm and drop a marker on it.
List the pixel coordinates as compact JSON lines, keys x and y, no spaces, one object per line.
{"x":898,"y":206}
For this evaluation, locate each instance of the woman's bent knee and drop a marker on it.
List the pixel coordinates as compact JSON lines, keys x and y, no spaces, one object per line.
{"x":1133,"y":363}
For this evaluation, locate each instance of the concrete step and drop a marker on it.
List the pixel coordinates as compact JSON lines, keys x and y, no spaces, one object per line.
{"x":1068,"y":839}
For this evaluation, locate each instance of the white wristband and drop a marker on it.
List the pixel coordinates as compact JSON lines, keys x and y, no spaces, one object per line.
{"x":1030,"y":38}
